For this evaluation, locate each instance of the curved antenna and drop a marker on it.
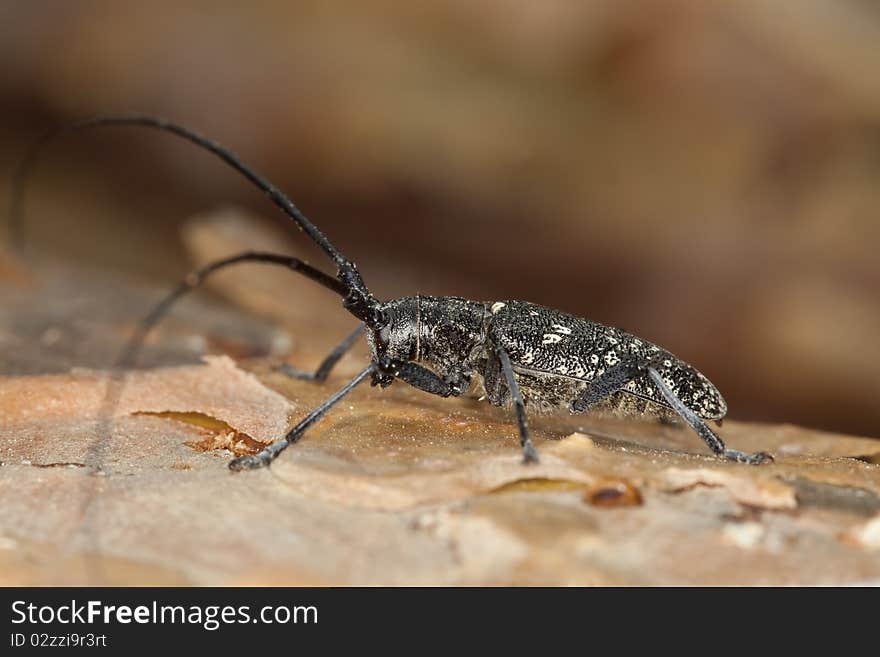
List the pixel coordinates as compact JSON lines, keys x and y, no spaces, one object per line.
{"x":358,"y":301}
{"x":196,"y":278}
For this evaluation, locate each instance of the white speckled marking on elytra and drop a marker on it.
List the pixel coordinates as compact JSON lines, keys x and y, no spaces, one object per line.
{"x":534,"y":314}
{"x":551,"y":338}
{"x":559,"y":328}
{"x":562,"y":369}
{"x":498,"y":305}
{"x":611,"y":358}
{"x":528,"y":358}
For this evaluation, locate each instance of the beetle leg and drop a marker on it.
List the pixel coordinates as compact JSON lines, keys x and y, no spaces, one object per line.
{"x":617,"y":377}
{"x":418,"y":377}
{"x":611,"y":381}
{"x":530,"y":455}
{"x":320,"y":375}
{"x":270,"y":453}
{"x":696,"y":423}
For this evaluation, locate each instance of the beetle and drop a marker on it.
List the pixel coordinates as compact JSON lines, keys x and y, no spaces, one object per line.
{"x":516,"y":353}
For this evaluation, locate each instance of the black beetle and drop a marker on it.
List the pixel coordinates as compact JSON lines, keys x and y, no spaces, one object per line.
{"x":521,"y":354}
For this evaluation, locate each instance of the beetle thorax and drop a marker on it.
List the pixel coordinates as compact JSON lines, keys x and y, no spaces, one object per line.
{"x":443,"y":333}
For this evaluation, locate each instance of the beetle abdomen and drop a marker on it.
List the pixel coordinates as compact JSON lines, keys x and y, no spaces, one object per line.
{"x":555,"y":354}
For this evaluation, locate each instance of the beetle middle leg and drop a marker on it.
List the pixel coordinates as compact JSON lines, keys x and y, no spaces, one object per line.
{"x":614,"y":379}
{"x":530,"y":454}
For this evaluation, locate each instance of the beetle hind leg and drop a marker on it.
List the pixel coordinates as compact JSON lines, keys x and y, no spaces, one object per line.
{"x":614,"y":379}
{"x":697,"y":424}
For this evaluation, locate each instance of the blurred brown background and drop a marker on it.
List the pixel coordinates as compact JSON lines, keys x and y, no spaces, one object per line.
{"x":705,"y":174}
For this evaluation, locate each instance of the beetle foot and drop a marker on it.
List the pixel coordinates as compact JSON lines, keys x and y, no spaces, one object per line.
{"x":750,"y":459}
{"x":259,"y":460}
{"x":530,"y":455}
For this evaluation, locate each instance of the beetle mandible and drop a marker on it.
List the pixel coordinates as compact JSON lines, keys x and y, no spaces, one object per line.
{"x":522,"y":354}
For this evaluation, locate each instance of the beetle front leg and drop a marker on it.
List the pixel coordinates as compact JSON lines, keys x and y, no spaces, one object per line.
{"x":418,"y":377}
{"x":320,"y":375}
{"x":269,"y":453}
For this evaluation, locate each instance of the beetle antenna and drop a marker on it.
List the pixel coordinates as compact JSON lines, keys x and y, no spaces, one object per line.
{"x":195,"y":279}
{"x":358,"y":301}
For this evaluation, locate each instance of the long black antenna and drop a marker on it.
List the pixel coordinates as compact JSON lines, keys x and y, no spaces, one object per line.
{"x":359,"y":301}
{"x":127,"y":358}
